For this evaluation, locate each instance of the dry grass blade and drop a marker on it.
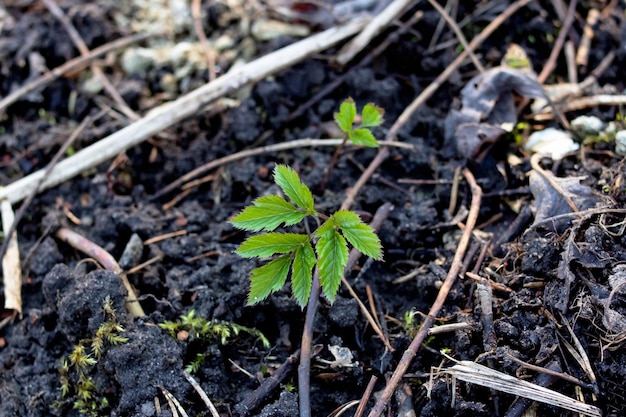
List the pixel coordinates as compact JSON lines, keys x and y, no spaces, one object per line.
{"x":11,"y":267}
{"x":579,"y":354}
{"x":343,"y":408}
{"x":174,"y":404}
{"x":201,"y":393}
{"x":481,"y":375}
{"x":459,"y":34}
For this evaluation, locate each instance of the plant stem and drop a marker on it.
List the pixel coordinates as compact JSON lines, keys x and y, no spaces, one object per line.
{"x":333,"y":161}
{"x":304,"y":368}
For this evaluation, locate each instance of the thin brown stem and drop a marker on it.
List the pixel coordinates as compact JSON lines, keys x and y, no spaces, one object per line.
{"x":304,"y":368}
{"x":331,"y":164}
{"x":292,"y":144}
{"x":78,"y":41}
{"x":196,"y":12}
{"x":106,"y":260}
{"x":459,"y":34}
{"x":73,"y":65}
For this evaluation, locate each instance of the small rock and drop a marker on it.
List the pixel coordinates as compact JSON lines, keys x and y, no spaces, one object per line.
{"x":169,"y":84}
{"x":265,"y":30}
{"x":138,"y":60}
{"x":587,"y":125}
{"x":620,"y":143}
{"x":343,"y":312}
{"x":224,"y":42}
{"x":554,"y":142}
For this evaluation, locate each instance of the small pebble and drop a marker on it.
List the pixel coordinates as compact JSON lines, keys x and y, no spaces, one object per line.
{"x":554,"y":142}
{"x":265,"y":30}
{"x":620,"y":143}
{"x":587,"y":125}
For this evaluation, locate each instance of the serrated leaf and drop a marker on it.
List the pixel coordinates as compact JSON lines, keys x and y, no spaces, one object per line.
{"x":346,"y":115}
{"x":268,"y":278}
{"x":289,"y":181}
{"x":363,"y":136}
{"x":332,"y":254}
{"x":269,"y":244}
{"x":328,"y":225}
{"x":360,"y":235}
{"x":267,"y":213}
{"x":302,"y":273}
{"x":372,"y":115}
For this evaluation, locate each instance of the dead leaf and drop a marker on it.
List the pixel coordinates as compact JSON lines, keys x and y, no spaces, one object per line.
{"x":549,"y":202}
{"x":489,"y":99}
{"x":614,"y":321}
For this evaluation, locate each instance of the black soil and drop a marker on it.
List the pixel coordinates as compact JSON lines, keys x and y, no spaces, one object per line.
{"x":547,"y":274}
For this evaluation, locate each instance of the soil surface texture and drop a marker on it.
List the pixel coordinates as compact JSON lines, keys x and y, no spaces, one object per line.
{"x":540,"y":284}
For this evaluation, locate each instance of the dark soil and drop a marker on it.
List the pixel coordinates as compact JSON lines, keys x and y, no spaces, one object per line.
{"x":548,"y":274}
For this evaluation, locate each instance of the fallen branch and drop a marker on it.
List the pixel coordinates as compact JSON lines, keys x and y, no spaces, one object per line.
{"x":254,"y":400}
{"x":292,"y":144}
{"x":169,"y":114}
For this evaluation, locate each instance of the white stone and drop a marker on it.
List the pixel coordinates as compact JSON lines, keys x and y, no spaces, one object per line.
{"x":551,"y":141}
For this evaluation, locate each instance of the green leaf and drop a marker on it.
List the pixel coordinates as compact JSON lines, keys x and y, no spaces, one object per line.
{"x":372,"y":115}
{"x":346,"y":115}
{"x":326,"y":227}
{"x":268,"y":278}
{"x":332,"y":252}
{"x":302,"y":273}
{"x":267,"y":213}
{"x":270,"y":243}
{"x":288,"y":180}
{"x":360,"y":235}
{"x":363,"y":136}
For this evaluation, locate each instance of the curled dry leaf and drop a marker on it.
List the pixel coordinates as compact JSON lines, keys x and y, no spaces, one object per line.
{"x":550,"y":202}
{"x":614,"y":321}
{"x":488,"y":105}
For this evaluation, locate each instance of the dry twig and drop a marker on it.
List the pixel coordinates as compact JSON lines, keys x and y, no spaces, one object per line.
{"x":73,"y":65}
{"x":84,"y":51}
{"x":186,"y":106}
{"x":106,"y":260}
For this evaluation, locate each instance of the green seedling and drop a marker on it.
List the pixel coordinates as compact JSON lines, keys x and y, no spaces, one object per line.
{"x":293,"y":252}
{"x":202,"y":330}
{"x":371,"y":116}
{"x":359,"y":134}
{"x":77,"y":367}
